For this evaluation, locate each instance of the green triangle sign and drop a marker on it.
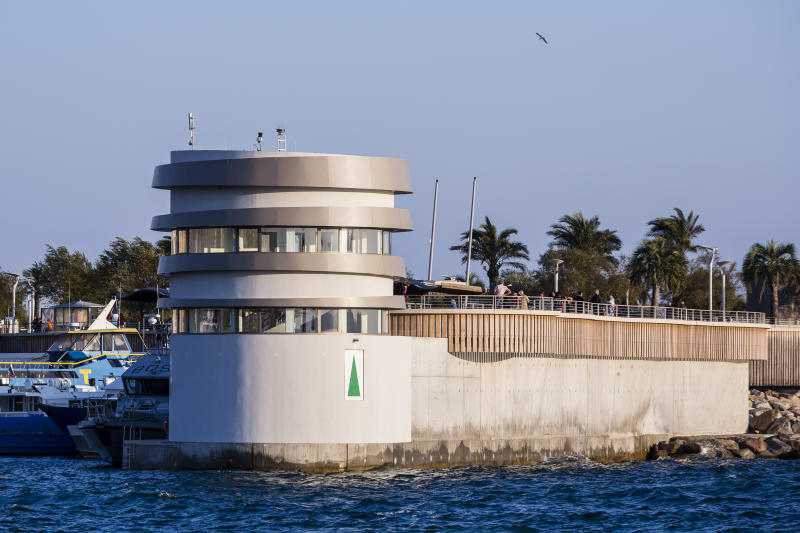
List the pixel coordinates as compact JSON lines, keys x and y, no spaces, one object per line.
{"x":353,"y":390}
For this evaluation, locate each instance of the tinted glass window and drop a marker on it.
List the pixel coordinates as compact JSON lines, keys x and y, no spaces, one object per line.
{"x":273,"y":321}
{"x":248,"y":240}
{"x":328,"y":320}
{"x":329,"y":240}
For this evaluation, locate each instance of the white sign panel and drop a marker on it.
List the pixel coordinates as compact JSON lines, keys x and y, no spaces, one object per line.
{"x":354,"y":374}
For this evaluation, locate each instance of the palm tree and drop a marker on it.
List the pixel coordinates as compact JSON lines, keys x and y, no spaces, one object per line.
{"x":576,"y":232}
{"x":492,"y":249}
{"x":678,"y":229}
{"x":660,"y":264}
{"x":772,"y":264}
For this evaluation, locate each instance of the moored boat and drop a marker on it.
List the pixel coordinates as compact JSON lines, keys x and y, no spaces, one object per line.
{"x":41,"y":395}
{"x":141,"y":411}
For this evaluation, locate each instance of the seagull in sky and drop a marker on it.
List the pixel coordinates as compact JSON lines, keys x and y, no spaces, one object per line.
{"x":542,"y":38}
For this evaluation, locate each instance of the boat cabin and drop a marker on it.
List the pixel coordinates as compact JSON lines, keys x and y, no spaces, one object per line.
{"x":149,"y":376}
{"x":71,"y":315}
{"x":12,"y":401}
{"x":92,"y":343}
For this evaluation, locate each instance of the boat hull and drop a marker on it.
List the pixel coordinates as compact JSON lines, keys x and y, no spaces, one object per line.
{"x":107,"y":440}
{"x":33,"y":433}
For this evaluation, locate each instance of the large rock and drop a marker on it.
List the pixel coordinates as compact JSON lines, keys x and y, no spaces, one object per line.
{"x":781,"y":406}
{"x":781,"y":426}
{"x":744,"y":453}
{"x":760,"y":423}
{"x":654,"y":453}
{"x":762,"y":405}
{"x":690,"y":448}
{"x":728,"y":444}
{"x":755,"y":445}
{"x":777,"y":447}
{"x":671,"y":446}
{"x":796,"y":427}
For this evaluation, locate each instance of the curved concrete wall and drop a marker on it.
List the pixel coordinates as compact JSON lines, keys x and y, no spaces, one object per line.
{"x":349,"y":217}
{"x":330,"y":262}
{"x":278,"y":285}
{"x":343,"y":302}
{"x":207,"y":198}
{"x":288,"y":169}
{"x":287,"y":388}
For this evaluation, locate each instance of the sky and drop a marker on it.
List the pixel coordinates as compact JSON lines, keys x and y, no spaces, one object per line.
{"x":633,"y":108}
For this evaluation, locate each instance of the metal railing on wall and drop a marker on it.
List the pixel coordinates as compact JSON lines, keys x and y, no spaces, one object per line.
{"x":566,"y":305}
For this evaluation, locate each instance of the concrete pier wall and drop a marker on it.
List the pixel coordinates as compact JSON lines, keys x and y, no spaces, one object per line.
{"x":521,"y":397}
{"x":280,"y":404}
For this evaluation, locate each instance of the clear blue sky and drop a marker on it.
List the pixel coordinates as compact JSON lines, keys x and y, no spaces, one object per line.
{"x":633,"y":108}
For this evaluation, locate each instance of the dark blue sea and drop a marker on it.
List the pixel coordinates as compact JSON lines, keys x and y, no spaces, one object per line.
{"x":65,"y":494}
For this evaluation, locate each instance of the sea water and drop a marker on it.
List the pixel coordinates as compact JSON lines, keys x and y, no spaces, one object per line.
{"x":70,"y":494}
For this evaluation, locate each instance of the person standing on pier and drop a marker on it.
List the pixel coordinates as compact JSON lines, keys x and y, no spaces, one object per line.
{"x":595,"y":301}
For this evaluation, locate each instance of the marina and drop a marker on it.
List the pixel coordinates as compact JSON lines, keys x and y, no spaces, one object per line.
{"x":427,"y":266}
{"x":46,"y":393}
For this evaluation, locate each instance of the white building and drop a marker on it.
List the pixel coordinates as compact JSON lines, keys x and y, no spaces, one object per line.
{"x":280,"y":260}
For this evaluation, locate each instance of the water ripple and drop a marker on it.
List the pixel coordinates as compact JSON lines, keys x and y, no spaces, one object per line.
{"x":568,"y":495}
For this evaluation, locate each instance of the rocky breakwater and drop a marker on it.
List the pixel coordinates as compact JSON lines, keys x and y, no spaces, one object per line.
{"x":776,"y":413}
{"x":773,"y":433}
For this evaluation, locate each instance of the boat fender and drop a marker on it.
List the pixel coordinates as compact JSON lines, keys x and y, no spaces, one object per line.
{"x":166,"y":425}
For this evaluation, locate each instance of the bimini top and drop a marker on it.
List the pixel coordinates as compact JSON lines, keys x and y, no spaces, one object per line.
{"x":221,"y":168}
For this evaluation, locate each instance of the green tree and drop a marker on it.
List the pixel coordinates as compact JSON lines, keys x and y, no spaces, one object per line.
{"x":771,"y":265}
{"x":678,"y":229}
{"x":581,"y":271}
{"x":492,"y":249}
{"x":523,"y":280}
{"x":126,"y":266}
{"x":164,"y":245}
{"x":61,"y":276}
{"x":659,"y":264}
{"x":576,"y":232}
{"x":694,"y":291}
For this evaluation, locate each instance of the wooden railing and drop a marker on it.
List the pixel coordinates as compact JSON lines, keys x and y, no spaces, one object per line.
{"x":782,"y":366}
{"x":532,"y":333}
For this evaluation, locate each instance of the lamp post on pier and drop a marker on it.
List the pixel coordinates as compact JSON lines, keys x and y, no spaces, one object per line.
{"x":712,"y":255}
{"x":721,"y":265}
{"x":556,"y":264}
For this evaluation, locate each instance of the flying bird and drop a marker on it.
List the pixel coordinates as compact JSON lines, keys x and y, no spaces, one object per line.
{"x":542,"y":38}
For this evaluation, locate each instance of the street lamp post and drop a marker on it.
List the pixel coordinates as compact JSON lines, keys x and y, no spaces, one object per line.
{"x":17,"y":279}
{"x":556,"y":263}
{"x":721,"y":265}
{"x":712,"y":254}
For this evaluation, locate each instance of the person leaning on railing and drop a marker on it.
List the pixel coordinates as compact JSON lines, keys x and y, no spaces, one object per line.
{"x":611,"y":306}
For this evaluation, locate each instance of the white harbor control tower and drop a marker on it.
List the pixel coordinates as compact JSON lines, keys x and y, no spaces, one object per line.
{"x":281,"y":276}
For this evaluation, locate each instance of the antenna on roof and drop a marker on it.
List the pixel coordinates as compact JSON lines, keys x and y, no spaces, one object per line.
{"x":258,"y":140}
{"x":281,"y":139}
{"x":191,"y":131}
